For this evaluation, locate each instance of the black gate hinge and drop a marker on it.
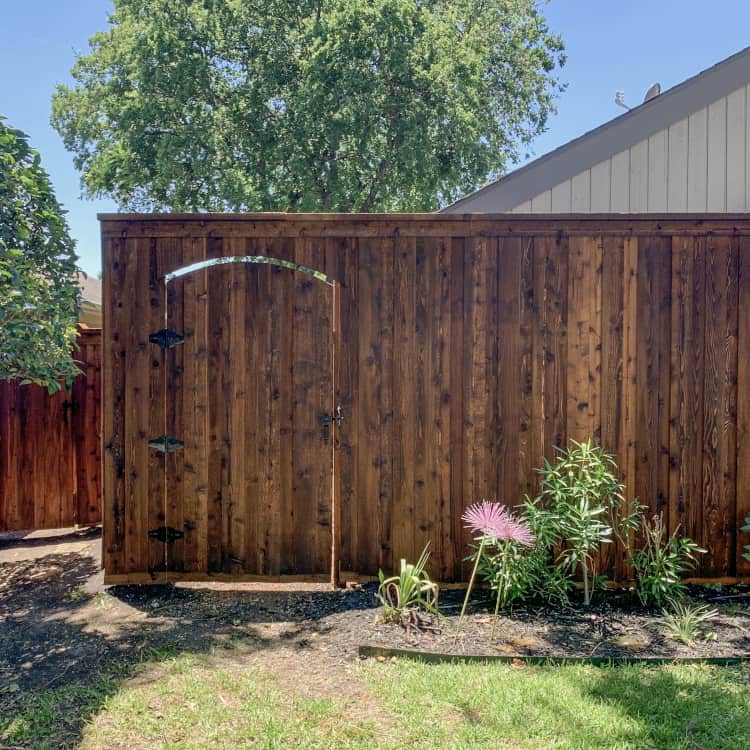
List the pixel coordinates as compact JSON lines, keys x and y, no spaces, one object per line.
{"x":166,"y":338}
{"x":166,"y":534}
{"x":166,"y":444}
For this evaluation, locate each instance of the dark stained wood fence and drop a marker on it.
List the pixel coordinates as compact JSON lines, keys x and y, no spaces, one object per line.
{"x":50,"y":449}
{"x":469,"y":347}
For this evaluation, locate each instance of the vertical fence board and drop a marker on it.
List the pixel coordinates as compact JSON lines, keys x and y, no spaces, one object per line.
{"x":404,"y":397}
{"x":743,"y":408}
{"x":176,"y":253}
{"x":509,"y":368}
{"x":720,"y":403}
{"x":686,"y":397}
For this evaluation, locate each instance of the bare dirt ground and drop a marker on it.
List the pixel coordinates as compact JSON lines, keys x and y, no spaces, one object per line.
{"x":60,"y":626}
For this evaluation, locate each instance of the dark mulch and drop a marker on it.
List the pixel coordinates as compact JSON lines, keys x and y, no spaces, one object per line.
{"x":59,"y":625}
{"x":615,"y":625}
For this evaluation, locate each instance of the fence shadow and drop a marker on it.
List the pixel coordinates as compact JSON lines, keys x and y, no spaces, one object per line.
{"x":69,"y":650}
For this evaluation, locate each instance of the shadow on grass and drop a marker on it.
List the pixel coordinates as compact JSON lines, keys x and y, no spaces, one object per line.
{"x":63,"y":652}
{"x":701,"y":707}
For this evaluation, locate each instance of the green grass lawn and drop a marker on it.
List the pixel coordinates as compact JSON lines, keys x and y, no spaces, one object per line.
{"x":196,"y":702}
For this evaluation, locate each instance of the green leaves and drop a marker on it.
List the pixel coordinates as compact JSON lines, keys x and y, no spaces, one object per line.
{"x":746,"y":529}
{"x":347,"y":105}
{"x":410,"y":590}
{"x":39,"y":293}
{"x":578,"y":494}
{"x":662,"y":561}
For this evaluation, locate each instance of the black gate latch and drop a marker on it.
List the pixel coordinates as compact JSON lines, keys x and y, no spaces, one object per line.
{"x":325,"y":423}
{"x":166,"y":534}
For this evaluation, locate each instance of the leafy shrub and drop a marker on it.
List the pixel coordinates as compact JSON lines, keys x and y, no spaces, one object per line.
{"x":661,"y":562}
{"x":746,"y":529}
{"x":410,"y":590}
{"x":683,"y":620}
{"x":517,"y":573}
{"x":581,"y":505}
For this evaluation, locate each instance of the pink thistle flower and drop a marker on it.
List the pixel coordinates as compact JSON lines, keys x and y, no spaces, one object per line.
{"x":495,"y":520}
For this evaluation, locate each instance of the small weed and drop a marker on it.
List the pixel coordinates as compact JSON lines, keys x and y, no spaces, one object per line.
{"x":77,"y":594}
{"x":102,"y":600}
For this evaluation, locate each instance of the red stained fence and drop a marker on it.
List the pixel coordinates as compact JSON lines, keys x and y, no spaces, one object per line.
{"x":50,"y":449}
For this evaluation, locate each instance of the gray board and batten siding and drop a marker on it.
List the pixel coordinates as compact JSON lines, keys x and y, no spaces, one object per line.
{"x":687,"y":150}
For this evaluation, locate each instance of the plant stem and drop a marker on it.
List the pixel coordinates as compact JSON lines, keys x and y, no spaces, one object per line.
{"x":506,"y":545}
{"x":471,"y":582}
{"x":586,"y":597}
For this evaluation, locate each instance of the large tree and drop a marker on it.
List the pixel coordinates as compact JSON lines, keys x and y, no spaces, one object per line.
{"x":38,"y":279}
{"x":348,"y":105}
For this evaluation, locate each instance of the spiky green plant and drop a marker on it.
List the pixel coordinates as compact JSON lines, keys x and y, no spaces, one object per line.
{"x":411,"y":589}
{"x":683,"y":620}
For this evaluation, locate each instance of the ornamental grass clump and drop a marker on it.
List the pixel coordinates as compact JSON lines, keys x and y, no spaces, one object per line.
{"x":501,"y":536}
{"x":409,"y":591}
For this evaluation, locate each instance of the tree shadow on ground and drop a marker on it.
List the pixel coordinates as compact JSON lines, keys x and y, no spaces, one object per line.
{"x":702,"y":707}
{"x":64,"y":651}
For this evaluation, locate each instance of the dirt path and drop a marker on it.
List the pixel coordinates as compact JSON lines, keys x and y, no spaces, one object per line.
{"x":60,"y":627}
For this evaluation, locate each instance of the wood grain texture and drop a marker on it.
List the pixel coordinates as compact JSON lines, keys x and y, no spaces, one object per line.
{"x":469,"y":349}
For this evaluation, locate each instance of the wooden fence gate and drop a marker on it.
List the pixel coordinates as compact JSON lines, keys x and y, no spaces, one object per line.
{"x":470,"y":348}
{"x":245,"y":415}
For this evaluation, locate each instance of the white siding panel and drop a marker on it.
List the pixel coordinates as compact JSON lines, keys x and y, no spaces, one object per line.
{"x":560,"y":199}
{"x":523,"y":208}
{"x":717,"y":156}
{"x":581,"y":192}
{"x":620,"y":183}
{"x":657,"y":172}
{"x":677,"y":170}
{"x":542,"y":203}
{"x":747,"y":149}
{"x":639,"y":177}
{"x":736,"y":151}
{"x":697,"y":160}
{"x":600,"y":188}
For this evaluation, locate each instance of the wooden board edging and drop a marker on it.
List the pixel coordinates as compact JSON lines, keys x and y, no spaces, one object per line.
{"x":432,"y":657}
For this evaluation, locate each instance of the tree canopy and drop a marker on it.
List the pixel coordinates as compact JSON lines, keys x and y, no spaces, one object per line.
{"x":313,"y":105}
{"x":38,"y":276}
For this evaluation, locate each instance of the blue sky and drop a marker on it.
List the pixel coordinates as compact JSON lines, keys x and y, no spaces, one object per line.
{"x":611,"y":45}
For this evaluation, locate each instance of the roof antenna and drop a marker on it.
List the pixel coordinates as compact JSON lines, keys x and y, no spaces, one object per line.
{"x":653,"y":92}
{"x":620,"y":100}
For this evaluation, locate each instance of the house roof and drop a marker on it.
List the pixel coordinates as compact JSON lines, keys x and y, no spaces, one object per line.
{"x":91,"y":289}
{"x":614,"y":136}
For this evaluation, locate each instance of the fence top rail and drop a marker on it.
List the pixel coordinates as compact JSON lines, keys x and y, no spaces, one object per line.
{"x":417,"y":224}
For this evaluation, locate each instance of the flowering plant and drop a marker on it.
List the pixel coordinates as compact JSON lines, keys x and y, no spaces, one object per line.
{"x":498,"y":532}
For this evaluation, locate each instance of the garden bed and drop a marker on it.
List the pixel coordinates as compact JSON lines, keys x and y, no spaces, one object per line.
{"x":614,"y":626}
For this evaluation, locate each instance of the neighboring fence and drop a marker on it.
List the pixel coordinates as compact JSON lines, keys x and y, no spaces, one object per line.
{"x":469,"y":347}
{"x":50,"y":454}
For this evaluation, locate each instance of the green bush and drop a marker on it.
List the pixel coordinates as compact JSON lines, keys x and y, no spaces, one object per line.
{"x":581,"y":506}
{"x":661,"y":562}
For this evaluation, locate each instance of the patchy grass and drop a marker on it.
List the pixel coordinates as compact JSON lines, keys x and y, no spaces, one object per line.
{"x":209,"y":701}
{"x":573,"y":707}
